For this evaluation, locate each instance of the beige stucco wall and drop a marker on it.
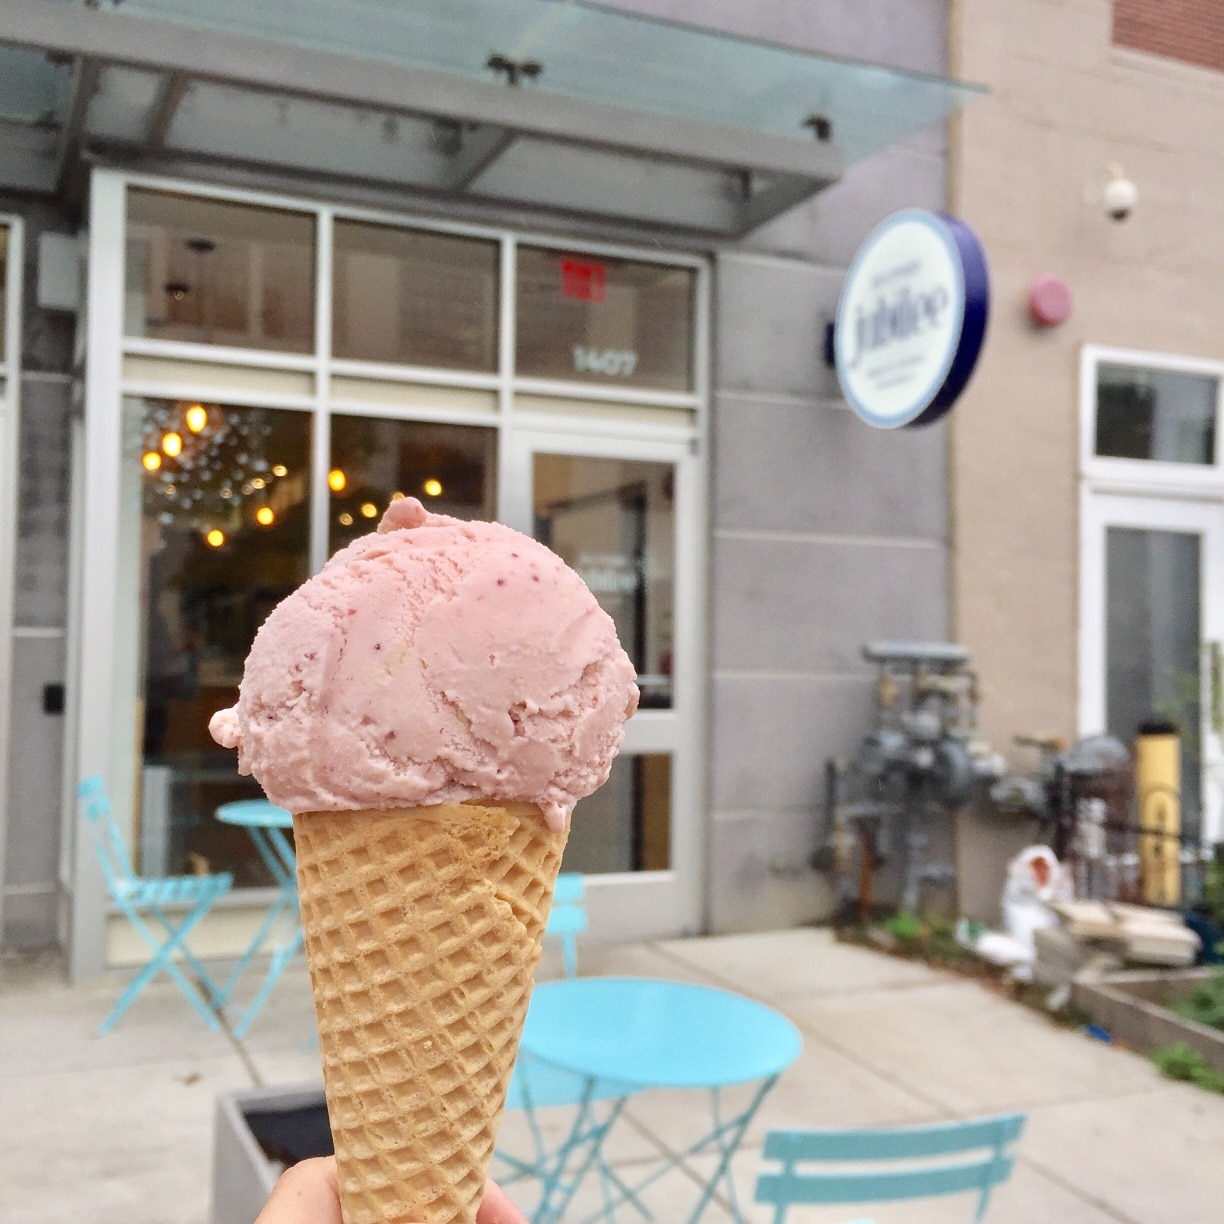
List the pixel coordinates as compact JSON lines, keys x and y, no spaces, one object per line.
{"x":1029,"y":164}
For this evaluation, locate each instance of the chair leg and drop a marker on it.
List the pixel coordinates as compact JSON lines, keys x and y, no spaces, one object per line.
{"x":280,"y":962}
{"x":163,"y":961}
{"x":209,"y":986}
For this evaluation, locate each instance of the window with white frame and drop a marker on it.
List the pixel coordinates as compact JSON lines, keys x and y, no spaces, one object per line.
{"x":289,"y":369}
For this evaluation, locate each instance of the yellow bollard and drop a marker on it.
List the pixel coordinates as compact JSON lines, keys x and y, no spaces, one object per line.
{"x":1158,"y":794}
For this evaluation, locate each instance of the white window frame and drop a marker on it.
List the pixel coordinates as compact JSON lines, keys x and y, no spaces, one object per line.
{"x":1164,"y":487}
{"x":10,"y":441}
{"x":1147,"y":477}
{"x":103,"y":743}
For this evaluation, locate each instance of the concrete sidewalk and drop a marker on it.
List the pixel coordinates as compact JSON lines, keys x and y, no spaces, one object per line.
{"x":118,"y":1129}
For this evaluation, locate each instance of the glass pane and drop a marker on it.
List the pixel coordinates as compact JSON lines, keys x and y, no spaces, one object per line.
{"x":214,"y":272}
{"x":1152,"y":638}
{"x":224,"y":529}
{"x":611,"y":321}
{"x":626,"y":824}
{"x":40,"y":594}
{"x":451,"y":468}
{"x":4,"y":248}
{"x":414,"y":298}
{"x":1155,"y":414}
{"x":613,"y":520}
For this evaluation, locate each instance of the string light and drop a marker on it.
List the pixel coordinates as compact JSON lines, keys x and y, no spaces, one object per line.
{"x":280,"y":470}
{"x":265,"y":516}
{"x":336,"y":480}
{"x":172,"y":444}
{"x":258,"y":483}
{"x":346,"y":519}
{"x":432,"y":487}
{"x":369,"y":509}
{"x":197,"y":418}
{"x":215,"y":538}
{"x":151,"y":461}
{"x":398,"y":495}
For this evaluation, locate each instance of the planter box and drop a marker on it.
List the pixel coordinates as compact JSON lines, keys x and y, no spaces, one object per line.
{"x":1129,"y":1006}
{"x":257,"y":1135}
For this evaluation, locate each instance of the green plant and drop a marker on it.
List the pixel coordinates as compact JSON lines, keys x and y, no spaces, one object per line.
{"x":1183,"y":1062}
{"x":905,"y":927}
{"x":1205,"y":1003}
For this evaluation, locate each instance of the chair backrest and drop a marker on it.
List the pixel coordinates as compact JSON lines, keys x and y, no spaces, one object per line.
{"x":567,"y":918}
{"x":108,"y":840}
{"x":941,"y":1158}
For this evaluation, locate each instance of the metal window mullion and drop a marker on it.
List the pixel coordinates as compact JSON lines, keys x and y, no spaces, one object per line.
{"x":10,"y":440}
{"x":506,"y":332}
{"x":320,"y":451}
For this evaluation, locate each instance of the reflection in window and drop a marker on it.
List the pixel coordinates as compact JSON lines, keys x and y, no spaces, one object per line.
{"x":613,"y":321}
{"x":450,"y":468}
{"x":613,"y":520}
{"x":223,"y":537}
{"x":626,"y":824}
{"x":1152,"y":641}
{"x":1155,"y":414}
{"x":412,"y":297}
{"x":214,"y":272}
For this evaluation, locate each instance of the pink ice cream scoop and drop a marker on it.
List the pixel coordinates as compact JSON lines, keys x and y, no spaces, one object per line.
{"x":433,"y":661}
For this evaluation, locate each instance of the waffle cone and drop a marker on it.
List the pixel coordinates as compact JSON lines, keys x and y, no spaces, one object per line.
{"x":423,"y":929}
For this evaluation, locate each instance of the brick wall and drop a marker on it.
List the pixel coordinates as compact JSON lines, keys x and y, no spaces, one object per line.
{"x":1188,"y":30}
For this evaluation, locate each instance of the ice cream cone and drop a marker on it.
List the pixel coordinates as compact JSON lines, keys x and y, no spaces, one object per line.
{"x":423,"y":929}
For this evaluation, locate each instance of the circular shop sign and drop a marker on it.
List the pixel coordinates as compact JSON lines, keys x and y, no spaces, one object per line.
{"x":911,"y":319}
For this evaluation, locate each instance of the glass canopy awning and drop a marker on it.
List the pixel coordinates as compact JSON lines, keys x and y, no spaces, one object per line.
{"x":565,"y":106}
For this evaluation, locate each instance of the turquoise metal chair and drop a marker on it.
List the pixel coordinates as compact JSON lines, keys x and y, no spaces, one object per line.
{"x":957,"y":1157}
{"x":145,"y":902}
{"x":540,"y":1085}
{"x":567,"y":919}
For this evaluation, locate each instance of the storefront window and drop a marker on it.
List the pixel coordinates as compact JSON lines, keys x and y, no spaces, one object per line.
{"x":450,"y":468}
{"x":215,"y":272}
{"x":413,"y":297}
{"x":582,"y":318}
{"x":626,"y":824}
{"x":1155,"y":414}
{"x":613,"y":520}
{"x":223,"y":531}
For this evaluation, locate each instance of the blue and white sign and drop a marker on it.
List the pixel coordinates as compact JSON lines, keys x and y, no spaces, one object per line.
{"x":911,"y":319}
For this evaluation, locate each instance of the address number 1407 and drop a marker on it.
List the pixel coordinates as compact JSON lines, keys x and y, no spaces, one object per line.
{"x":614,"y":363}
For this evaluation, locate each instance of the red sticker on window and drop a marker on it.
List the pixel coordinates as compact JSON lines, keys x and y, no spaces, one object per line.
{"x":584,"y":281}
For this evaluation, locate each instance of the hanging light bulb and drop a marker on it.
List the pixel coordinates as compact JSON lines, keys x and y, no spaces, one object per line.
{"x":265,"y":516}
{"x":172,"y":444}
{"x":432,"y":487}
{"x":215,"y":538}
{"x":197,"y":418}
{"x":151,"y":461}
{"x":336,"y":480}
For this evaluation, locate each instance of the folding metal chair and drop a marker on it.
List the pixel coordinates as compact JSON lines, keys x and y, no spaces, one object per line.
{"x":938,"y":1159}
{"x":540,"y":1085}
{"x":567,"y":919}
{"x":141,"y":897}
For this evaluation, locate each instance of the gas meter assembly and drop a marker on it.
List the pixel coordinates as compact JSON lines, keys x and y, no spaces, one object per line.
{"x":923,"y":758}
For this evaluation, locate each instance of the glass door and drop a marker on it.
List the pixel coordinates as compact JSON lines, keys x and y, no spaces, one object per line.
{"x":623,"y":515}
{"x":1152,"y":626}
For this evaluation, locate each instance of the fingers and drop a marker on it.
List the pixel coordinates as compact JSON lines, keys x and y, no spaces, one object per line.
{"x":496,"y":1208}
{"x":307,"y":1193}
